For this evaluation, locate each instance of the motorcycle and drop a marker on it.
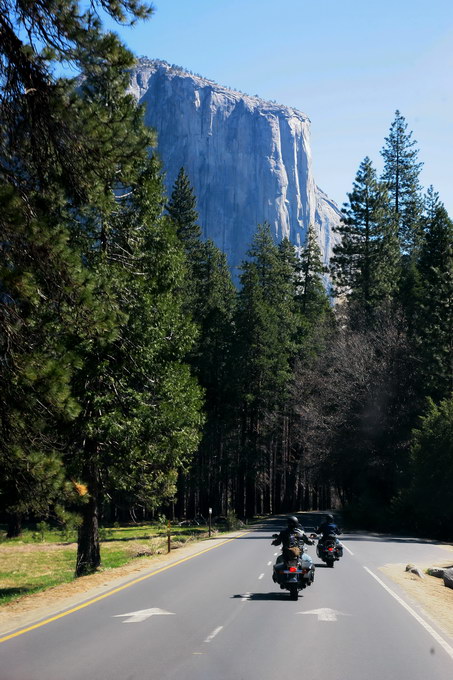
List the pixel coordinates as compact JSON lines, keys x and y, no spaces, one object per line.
{"x":292,"y":571}
{"x":329,"y":550}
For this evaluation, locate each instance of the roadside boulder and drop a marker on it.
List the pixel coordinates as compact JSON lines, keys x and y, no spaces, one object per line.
{"x":411,"y":568}
{"x":438,"y":572}
{"x":448,"y":577}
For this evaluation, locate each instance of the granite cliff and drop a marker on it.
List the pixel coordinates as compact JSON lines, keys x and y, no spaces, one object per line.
{"x":248,"y":160}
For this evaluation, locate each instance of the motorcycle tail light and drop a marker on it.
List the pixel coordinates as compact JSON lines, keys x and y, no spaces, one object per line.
{"x":330,"y":549}
{"x":292,"y":569}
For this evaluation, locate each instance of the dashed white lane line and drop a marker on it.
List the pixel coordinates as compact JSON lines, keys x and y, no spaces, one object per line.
{"x":260,"y":577}
{"x":213,"y":634}
{"x":269,"y":564}
{"x":346,"y":548}
{"x":245,"y":597}
{"x":275,"y":553}
{"x":416,"y":616}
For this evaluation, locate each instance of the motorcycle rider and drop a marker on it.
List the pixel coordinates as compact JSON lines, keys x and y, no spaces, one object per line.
{"x":292,"y":538}
{"x":328,"y":529}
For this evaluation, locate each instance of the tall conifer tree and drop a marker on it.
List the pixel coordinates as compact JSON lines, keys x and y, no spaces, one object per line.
{"x":434,"y":319}
{"x":401,"y":176}
{"x":182,"y":210}
{"x":365,"y":264}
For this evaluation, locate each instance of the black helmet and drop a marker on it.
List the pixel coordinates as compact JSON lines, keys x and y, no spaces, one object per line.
{"x":329,"y":518}
{"x":292,"y":521}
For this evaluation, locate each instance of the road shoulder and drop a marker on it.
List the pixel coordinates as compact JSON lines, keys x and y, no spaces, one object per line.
{"x":429,"y":593}
{"x":33,"y":608}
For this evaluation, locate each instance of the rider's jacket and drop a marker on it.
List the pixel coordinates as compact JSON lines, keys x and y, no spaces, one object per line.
{"x":291,"y":537}
{"x":328,"y":529}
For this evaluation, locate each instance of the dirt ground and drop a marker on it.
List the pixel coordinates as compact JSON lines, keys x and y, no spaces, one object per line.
{"x":429,"y":593}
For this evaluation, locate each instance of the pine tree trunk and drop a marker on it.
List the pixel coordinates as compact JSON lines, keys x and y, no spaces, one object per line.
{"x":88,"y":547}
{"x":14,"y":528}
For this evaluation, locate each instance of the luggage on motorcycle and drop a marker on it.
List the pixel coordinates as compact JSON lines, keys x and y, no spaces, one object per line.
{"x":291,"y":553}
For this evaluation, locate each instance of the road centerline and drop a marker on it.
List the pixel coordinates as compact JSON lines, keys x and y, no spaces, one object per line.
{"x":61,"y":615}
{"x":215,"y":632}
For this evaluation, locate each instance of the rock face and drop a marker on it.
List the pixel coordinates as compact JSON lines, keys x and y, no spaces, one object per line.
{"x":248,"y":160}
{"x":448,"y":578}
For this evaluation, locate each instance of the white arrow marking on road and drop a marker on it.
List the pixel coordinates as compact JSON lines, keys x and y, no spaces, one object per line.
{"x":325,"y":614}
{"x":143,"y":614}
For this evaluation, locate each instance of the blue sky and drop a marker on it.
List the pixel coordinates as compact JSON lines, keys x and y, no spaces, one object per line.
{"x":348,"y":65}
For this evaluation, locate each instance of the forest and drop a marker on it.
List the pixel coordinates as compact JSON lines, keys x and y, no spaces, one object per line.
{"x":136,"y":379}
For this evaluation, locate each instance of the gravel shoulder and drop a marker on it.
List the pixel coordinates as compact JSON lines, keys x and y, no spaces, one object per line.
{"x":429,"y":593}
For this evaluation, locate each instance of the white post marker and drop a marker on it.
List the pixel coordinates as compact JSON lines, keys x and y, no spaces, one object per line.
{"x":143,"y":614}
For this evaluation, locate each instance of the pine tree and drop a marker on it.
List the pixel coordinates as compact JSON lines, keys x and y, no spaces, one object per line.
{"x":141,"y":408}
{"x":434,"y":315}
{"x":212,"y":309}
{"x":45,"y":115}
{"x":430,"y":496}
{"x":401,"y":176}
{"x":182,"y":210}
{"x":312,"y":295}
{"x":46,"y":301}
{"x":266,"y":323}
{"x":94,"y":271}
{"x":365,"y":265}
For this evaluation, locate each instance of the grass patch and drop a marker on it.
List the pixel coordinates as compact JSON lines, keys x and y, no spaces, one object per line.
{"x":25,"y":572}
{"x":43,"y":533}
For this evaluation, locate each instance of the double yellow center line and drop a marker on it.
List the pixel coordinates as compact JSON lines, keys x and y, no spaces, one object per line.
{"x":116,"y":590}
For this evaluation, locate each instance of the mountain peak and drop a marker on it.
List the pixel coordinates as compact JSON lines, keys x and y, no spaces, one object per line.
{"x":173,"y":70}
{"x":249,"y":160}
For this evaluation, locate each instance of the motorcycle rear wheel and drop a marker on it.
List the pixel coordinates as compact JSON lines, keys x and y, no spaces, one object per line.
{"x":293,"y":593}
{"x":330,"y":563}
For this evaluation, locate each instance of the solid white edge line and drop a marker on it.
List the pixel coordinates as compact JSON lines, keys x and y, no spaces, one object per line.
{"x":445,"y":646}
{"x":346,"y":548}
{"x":213,"y":634}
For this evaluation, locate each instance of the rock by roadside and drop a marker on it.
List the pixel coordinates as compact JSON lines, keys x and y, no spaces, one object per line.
{"x":448,"y":577}
{"x":429,"y":593}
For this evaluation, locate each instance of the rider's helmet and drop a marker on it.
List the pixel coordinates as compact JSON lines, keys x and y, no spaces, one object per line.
{"x":329,"y":518}
{"x":293,"y":522}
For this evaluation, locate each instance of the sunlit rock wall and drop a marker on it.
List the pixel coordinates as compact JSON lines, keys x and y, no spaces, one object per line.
{"x":248,"y":160}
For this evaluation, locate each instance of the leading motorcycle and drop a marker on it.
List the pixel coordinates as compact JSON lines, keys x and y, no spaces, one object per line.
{"x":293,"y":571}
{"x":329,"y":550}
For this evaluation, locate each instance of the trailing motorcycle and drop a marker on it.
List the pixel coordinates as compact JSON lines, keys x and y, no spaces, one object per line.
{"x":329,"y":550}
{"x":294,"y":570}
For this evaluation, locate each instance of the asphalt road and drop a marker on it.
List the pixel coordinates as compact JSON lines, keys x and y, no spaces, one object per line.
{"x":219,"y":616}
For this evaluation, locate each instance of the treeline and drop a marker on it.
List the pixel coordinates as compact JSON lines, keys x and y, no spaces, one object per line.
{"x":135,"y":378}
{"x":349,"y":404}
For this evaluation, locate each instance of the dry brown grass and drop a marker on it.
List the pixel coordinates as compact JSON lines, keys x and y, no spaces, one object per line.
{"x":430,"y":593}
